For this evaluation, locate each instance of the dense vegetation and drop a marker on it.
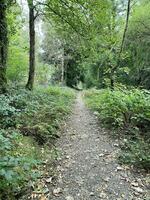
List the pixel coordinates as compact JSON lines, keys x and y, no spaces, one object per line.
{"x":28,"y":121}
{"x":50,"y":44}
{"x":128,"y":113}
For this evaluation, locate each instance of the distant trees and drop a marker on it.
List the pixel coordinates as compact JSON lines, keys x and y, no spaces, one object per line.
{"x":138,"y":46}
{"x":114,"y":68}
{"x":66,"y":14}
{"x":79,"y":24}
{"x":88,"y":41}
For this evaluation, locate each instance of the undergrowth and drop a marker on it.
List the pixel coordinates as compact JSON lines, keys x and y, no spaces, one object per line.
{"x":28,"y":121}
{"x":128,"y":113}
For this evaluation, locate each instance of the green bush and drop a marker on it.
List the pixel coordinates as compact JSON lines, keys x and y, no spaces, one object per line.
{"x":24,"y":113}
{"x":46,"y":108}
{"x":136,"y":152}
{"x":8,"y":113}
{"x":16,"y":166}
{"x":33,"y":110}
{"x":127,"y":108}
{"x":128,"y":111}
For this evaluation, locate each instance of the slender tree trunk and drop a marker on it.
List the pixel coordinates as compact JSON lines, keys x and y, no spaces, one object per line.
{"x":98,"y":73}
{"x":62,"y":69}
{"x":31,"y":76}
{"x":3,"y":46}
{"x":126,"y":27}
{"x":112,"y":82}
{"x":122,"y":44}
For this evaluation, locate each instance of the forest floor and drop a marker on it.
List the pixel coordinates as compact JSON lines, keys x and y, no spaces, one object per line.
{"x":87,"y":166}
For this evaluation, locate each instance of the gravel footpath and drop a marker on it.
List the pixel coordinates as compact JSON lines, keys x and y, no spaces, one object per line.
{"x":87,"y":167}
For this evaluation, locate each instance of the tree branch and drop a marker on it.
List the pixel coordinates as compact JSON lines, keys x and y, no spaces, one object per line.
{"x":61,"y":17}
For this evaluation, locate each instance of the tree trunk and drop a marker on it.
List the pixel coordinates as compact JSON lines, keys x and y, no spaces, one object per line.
{"x":126,"y":27}
{"x":63,"y":68}
{"x":122,"y":44}
{"x":98,"y":73}
{"x":3,"y":46}
{"x":62,"y":71}
{"x":112,"y":84}
{"x":30,"y":82}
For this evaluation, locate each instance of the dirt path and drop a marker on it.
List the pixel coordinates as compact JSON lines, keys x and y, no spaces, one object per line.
{"x":88,"y":169}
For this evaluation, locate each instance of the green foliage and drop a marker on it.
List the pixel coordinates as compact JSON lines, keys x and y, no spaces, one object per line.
{"x":136,"y":152}
{"x":24,"y":113}
{"x":8,"y":113}
{"x":128,"y":111}
{"x":36,"y":113}
{"x":17,"y":62}
{"x":44,"y":112}
{"x":44,"y":73}
{"x":137,"y":44}
{"x":17,"y":166}
{"x":76,"y":37}
{"x":121,"y":108}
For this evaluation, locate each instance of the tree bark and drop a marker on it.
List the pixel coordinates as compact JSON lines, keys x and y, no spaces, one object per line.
{"x":3,"y":46}
{"x":126,"y":27}
{"x":31,"y":75}
{"x":62,"y":69}
{"x":112,"y":83}
{"x":122,"y":44}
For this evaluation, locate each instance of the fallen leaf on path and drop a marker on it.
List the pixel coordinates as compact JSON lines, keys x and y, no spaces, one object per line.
{"x":101,"y":155}
{"x":57,"y":191}
{"x":43,"y":198}
{"x":135,"y":184}
{"x":69,"y":198}
{"x":119,"y":168}
{"x":138,"y":189}
{"x":106,"y":179}
{"x":116,"y":145}
{"x":102,"y":195}
{"x":92,"y":194}
{"x":67,"y":157}
{"x":49,"y":180}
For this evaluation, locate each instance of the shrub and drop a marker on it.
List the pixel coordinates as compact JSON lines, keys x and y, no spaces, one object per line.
{"x":127,"y":108}
{"x":24,"y":113}
{"x":37,"y":112}
{"x":45,"y":109}
{"x":8,"y":113}
{"x":136,"y":152}
{"x":16,"y":166}
{"x":128,"y":111}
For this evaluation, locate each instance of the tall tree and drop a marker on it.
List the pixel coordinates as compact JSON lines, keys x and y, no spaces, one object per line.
{"x":3,"y":45}
{"x":30,"y":82}
{"x":138,"y":46}
{"x":113,"y":70}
